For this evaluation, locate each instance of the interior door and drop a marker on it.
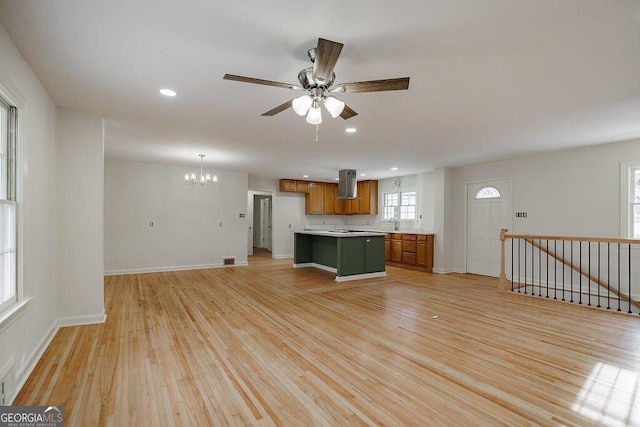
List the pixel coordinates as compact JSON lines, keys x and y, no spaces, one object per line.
{"x":249,"y":223}
{"x":488,"y":207}
{"x":265,"y":223}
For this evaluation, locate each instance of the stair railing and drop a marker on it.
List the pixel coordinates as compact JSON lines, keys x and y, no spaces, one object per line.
{"x":599,"y":272}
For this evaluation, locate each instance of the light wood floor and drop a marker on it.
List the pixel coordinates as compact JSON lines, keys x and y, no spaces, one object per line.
{"x":268,"y":344}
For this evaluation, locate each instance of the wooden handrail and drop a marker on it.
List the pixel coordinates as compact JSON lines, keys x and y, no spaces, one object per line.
{"x":504,"y":236}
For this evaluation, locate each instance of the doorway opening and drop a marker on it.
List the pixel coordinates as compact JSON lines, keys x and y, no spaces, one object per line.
{"x":260,"y":222}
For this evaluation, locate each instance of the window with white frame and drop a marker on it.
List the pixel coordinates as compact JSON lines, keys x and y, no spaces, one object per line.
{"x":634,"y":205}
{"x":400,"y":206}
{"x":8,"y":208}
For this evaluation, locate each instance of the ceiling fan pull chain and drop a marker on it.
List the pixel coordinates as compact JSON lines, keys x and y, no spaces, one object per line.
{"x":317,"y":132}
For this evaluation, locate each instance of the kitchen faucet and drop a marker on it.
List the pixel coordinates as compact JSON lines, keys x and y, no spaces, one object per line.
{"x":396,"y":223}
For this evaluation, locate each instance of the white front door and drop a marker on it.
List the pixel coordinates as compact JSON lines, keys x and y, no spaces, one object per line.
{"x":488,"y":208}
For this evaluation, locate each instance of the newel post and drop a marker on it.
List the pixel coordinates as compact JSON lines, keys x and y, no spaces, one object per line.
{"x":502,"y":284}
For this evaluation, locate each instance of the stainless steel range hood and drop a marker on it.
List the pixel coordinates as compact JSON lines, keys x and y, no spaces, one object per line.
{"x":347,"y":184}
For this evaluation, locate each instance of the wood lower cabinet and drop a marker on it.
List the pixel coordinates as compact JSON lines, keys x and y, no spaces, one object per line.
{"x":409,"y":250}
{"x":387,"y":247}
{"x":424,"y":251}
{"x":395,"y":254}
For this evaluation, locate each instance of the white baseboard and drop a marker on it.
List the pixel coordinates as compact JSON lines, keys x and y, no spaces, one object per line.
{"x":82,"y":320}
{"x":34,"y":357}
{"x":172,"y":268}
{"x":32,"y":361}
{"x":444,"y":270}
{"x":285,"y":256}
{"x":318,"y":266}
{"x":361,"y":276}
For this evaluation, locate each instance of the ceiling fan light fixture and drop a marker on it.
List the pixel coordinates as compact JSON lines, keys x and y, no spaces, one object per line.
{"x":314,"y":116}
{"x":302,"y":104}
{"x":334,"y":106}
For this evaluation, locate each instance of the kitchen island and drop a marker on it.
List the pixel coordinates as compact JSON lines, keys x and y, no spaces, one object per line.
{"x":350,"y":254}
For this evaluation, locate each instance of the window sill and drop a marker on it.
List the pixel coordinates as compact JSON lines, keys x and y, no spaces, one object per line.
{"x":11,"y":313}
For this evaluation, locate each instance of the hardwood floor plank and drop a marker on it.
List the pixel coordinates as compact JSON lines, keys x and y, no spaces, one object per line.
{"x":268,"y":344}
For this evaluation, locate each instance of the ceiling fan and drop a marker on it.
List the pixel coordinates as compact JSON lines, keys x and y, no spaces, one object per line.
{"x":318,"y":83}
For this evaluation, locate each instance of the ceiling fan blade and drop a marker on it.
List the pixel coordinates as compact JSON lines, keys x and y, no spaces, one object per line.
{"x":373,"y":85}
{"x":347,"y":112}
{"x":261,"y":82}
{"x":280,"y":108}
{"x":327,"y":54}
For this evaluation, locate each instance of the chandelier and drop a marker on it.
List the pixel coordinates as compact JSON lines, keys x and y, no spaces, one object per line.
{"x":203,"y":179}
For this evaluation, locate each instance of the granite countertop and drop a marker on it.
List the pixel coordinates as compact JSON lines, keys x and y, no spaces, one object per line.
{"x":341,"y":233}
{"x":422,"y":232}
{"x":353,"y":232}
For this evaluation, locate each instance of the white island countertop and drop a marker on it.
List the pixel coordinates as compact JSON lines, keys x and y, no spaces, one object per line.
{"x":341,"y":233}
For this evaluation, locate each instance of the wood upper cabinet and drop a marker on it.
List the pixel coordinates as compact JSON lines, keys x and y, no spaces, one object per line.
{"x":294,"y":186}
{"x":330,"y":193}
{"x":350,"y":207}
{"x":302,"y":186}
{"x":288,"y":185}
{"x":321,"y":197}
{"x":314,"y":200}
{"x":368,"y":197}
{"x":338,"y":205}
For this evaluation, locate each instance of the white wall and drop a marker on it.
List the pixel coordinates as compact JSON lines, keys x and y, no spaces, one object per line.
{"x":193,"y":227}
{"x":423,"y":184}
{"x":80,"y":273}
{"x":23,"y":339}
{"x":442,"y":223}
{"x":571,"y":192}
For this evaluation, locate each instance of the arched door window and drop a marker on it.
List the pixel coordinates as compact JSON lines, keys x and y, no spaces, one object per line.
{"x":488,"y":193}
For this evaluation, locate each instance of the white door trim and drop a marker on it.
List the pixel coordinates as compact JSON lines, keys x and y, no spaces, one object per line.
{"x":465,"y":233}
{"x":274,"y":229}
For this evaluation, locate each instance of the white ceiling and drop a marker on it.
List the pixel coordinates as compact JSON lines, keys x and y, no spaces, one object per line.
{"x":490,"y":79}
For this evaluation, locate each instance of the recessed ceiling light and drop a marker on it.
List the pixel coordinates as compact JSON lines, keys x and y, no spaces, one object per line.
{"x":350,"y":130}
{"x":167,"y":92}
{"x":305,"y":176}
{"x":363,"y":174}
{"x":394,"y":169}
{"x":337,"y":179}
